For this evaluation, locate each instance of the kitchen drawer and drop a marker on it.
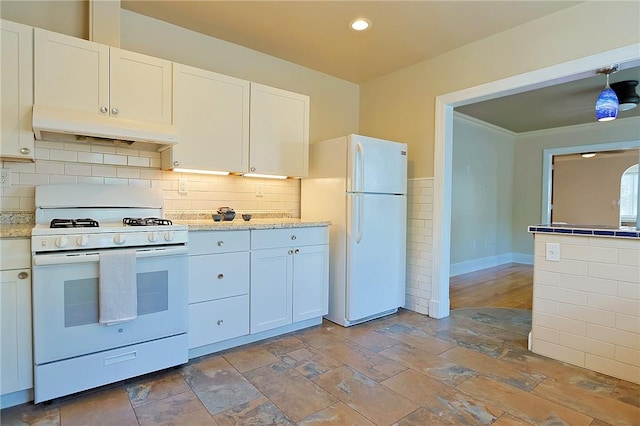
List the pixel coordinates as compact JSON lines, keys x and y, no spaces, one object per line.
{"x":289,"y":237}
{"x":212,"y":242}
{"x":218,"y":320}
{"x":214,"y":276}
{"x":16,"y":253}
{"x":85,"y":372}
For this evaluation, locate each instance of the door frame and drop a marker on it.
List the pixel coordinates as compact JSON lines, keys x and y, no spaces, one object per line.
{"x":439,"y":304}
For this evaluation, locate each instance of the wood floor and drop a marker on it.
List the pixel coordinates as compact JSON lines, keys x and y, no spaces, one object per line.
{"x":504,"y":286}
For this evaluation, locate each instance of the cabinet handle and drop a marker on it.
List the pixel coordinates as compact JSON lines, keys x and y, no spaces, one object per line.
{"x":220,"y":243}
{"x":25,"y":151}
{"x":23,"y":275}
{"x":220,"y":276}
{"x":290,"y":252}
{"x":115,"y":111}
{"x":104,"y":109}
{"x":297,"y":251}
{"x":220,"y":322}
{"x":293,"y":237}
{"x":253,"y":169}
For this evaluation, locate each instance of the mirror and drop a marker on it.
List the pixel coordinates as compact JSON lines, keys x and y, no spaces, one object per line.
{"x":599,"y":189}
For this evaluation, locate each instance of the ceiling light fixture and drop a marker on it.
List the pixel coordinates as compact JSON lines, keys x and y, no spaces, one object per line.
{"x":607,"y":103}
{"x":626,"y":92}
{"x":588,"y":154}
{"x":360,"y":24}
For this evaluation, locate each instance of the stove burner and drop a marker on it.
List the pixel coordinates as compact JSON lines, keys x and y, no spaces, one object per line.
{"x":74,"y":223}
{"x":148,"y":221}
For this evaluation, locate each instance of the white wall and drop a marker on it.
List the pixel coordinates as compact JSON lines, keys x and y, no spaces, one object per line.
{"x":481,"y":201}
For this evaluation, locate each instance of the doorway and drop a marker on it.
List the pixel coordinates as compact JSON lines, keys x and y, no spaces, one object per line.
{"x":439,"y":305}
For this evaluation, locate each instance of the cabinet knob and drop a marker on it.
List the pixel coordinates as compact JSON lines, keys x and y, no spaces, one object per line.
{"x":104,"y":109}
{"x":176,"y":164}
{"x":220,"y":322}
{"x":293,"y":237}
{"x":115,"y":111}
{"x":22,"y":275}
{"x":220,"y":243}
{"x":253,"y":169}
{"x":296,"y":251}
{"x":220,"y":276}
{"x":290,"y":252}
{"x":25,"y":151}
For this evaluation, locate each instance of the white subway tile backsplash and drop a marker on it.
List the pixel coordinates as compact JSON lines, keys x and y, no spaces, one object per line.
{"x":93,"y":180}
{"x":62,"y":155}
{"x":104,"y":149}
{"x":586,"y":314}
{"x":627,"y":356}
{"x":558,"y":294}
{"x":103,"y":171}
{"x":50,"y":168}
{"x":31,"y":179}
{"x":118,"y":160}
{"x":615,"y":272}
{"x":561,"y":324}
{"x":629,"y":257}
{"x":613,"y":368}
{"x":115,"y":181}
{"x":127,"y":172}
{"x":559,"y":352}
{"x":614,"y":336}
{"x":629,"y":290}
{"x":587,"y":345}
{"x":615,"y":304}
{"x":628,"y":323}
{"x":138,"y":161}
{"x":547,"y":334}
{"x":78,"y":169}
{"x":62,"y":180}
{"x":589,"y":284}
{"x":547,"y":278}
{"x":42,"y":154}
{"x":590,"y":253}
{"x":90,"y":157}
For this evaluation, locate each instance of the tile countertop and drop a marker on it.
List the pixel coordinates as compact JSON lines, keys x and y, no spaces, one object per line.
{"x":587,"y":230}
{"x":238,"y":224}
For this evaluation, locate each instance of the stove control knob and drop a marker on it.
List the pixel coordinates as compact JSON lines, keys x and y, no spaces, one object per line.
{"x":168,"y":236}
{"x":82,"y":240}
{"x":152,"y":237}
{"x":119,"y":239}
{"x":61,"y":242}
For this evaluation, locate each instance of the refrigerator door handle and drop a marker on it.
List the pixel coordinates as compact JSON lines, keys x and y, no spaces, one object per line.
{"x":359,"y":167}
{"x":359,"y":216}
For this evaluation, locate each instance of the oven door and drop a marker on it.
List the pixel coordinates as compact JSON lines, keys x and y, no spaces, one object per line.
{"x":65,"y":303}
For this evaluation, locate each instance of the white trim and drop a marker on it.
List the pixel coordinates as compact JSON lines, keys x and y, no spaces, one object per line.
{"x":444,"y":104}
{"x":522,"y":258}
{"x":479,"y":123}
{"x":547,"y":159}
{"x":480,"y":263}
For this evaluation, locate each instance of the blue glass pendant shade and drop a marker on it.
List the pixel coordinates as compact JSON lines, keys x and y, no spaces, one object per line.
{"x":607,"y":105}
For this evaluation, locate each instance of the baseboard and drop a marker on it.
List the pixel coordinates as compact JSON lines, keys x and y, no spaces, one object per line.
{"x":489,"y":262}
{"x":16,"y":398}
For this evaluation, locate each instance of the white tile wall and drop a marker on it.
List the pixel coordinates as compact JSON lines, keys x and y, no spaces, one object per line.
{"x":419,"y":244}
{"x":61,"y":163}
{"x":586,"y":308}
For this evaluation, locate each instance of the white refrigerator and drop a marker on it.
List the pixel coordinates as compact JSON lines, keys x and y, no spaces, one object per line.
{"x":359,"y":183}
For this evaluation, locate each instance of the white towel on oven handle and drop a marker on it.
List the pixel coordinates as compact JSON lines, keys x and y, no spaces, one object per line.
{"x":118,"y":286}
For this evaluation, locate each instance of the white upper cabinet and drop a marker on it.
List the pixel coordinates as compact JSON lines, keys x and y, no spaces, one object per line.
{"x":16,"y":137}
{"x":81,"y":75}
{"x":279,"y":132}
{"x":211,"y":113}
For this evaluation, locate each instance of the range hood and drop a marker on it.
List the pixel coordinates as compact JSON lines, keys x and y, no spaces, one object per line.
{"x":59,"y":124}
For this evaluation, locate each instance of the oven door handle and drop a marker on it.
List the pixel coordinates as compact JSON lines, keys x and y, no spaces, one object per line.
{"x":60,"y":259}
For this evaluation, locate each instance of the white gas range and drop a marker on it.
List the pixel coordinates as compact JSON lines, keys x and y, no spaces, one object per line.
{"x":78,"y":228}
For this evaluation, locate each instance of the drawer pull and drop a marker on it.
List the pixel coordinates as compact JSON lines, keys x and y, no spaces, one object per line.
{"x":297,"y":251}
{"x":290,"y":252}
{"x":220,"y":276}
{"x":293,"y":237}
{"x":220,"y":243}
{"x":120,"y":358}
{"x":220,"y":322}
{"x":23,"y":275}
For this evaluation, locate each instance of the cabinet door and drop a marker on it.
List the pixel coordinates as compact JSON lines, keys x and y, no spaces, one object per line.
{"x":279,"y":134}
{"x":71,"y":73}
{"x":16,"y":362}
{"x":310,"y":282}
{"x":140,"y":87}
{"x":271,"y":284}
{"x":16,"y":56}
{"x":211,"y":113}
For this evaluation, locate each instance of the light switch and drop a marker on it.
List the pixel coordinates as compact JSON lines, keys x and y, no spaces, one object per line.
{"x":553,"y":252}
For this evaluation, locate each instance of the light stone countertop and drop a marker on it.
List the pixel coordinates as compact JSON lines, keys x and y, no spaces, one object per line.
{"x":238,"y":224}
{"x":18,"y":230}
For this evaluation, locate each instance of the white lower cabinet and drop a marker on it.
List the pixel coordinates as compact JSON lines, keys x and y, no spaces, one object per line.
{"x":218,"y":286}
{"x":289,"y":276}
{"x":16,"y":362}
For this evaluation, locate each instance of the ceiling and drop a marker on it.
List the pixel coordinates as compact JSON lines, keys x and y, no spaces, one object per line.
{"x":315,"y":34}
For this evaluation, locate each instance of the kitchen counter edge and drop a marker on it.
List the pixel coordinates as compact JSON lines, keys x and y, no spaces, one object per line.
{"x":240,"y":225}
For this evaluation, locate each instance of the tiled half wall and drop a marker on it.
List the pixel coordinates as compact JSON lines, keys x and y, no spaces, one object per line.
{"x":63,"y":163}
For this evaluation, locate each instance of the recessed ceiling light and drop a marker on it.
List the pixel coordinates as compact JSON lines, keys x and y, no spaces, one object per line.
{"x":360,"y":24}
{"x":588,"y":154}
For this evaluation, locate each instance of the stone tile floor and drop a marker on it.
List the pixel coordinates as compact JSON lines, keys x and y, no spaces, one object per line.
{"x":407,"y":369}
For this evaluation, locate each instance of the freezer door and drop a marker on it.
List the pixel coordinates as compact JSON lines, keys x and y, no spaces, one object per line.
{"x":376,"y":251}
{"x":376,"y":166}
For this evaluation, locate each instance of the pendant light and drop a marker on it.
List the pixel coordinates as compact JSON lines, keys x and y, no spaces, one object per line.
{"x":607,"y":103}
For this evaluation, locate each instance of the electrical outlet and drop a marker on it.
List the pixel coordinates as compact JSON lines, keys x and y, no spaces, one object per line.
{"x":183,"y":186}
{"x":553,"y":252}
{"x":259,"y":190}
{"x":5,"y":178}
